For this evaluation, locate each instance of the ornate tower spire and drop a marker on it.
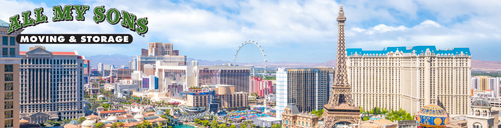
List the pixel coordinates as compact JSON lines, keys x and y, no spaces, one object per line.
{"x":341,"y":107}
{"x":341,"y":73}
{"x":340,"y":16}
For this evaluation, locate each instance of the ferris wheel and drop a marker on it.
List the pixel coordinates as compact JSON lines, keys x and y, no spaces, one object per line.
{"x":255,"y":44}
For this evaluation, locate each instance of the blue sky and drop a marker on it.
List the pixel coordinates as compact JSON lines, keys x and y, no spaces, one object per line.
{"x":288,"y":30}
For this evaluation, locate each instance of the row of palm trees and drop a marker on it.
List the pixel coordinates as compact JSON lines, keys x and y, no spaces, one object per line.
{"x":391,"y":115}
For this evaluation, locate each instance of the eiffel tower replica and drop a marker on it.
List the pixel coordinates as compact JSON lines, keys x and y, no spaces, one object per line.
{"x":340,"y":109}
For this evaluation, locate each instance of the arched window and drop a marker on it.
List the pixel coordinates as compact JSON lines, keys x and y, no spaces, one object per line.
{"x":477,"y":125}
{"x":287,"y":122}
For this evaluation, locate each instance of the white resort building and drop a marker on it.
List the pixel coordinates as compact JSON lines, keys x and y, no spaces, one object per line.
{"x":51,"y":85}
{"x":398,"y":77}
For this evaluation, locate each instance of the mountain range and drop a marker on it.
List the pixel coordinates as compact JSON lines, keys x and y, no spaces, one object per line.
{"x":119,"y":59}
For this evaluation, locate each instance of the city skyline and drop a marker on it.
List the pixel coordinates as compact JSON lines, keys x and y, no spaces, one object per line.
{"x":403,"y":63}
{"x":214,"y":30}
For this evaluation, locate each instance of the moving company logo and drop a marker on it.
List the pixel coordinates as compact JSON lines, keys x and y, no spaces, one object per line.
{"x":112,"y":16}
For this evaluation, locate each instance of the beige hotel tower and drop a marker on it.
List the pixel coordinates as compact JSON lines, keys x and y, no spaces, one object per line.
{"x":9,"y":77}
{"x":409,"y":78}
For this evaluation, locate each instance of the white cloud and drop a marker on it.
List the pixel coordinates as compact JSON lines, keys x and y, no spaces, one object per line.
{"x":380,"y":29}
{"x":427,"y":23}
{"x":222,"y":25}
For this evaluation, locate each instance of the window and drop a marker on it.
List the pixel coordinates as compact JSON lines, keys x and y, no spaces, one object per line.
{"x":8,"y":123}
{"x":5,"y":51}
{"x":9,"y":77}
{"x":9,"y":95}
{"x":477,"y":125}
{"x":9,"y":104}
{"x":8,"y":114}
{"x":9,"y":68}
{"x":4,"y":40}
{"x":12,"y":41}
{"x":12,"y":52}
{"x":9,"y":86}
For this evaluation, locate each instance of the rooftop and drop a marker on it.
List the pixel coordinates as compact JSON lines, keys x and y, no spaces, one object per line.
{"x":481,"y":103}
{"x":417,"y":49}
{"x":114,"y":111}
{"x":53,"y":53}
{"x":4,"y":24}
{"x":217,"y":85}
{"x":293,"y":108}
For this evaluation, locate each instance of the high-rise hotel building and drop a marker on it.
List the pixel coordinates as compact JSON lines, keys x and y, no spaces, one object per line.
{"x":9,"y":77}
{"x":51,"y":85}
{"x":308,"y":88}
{"x":485,"y":84}
{"x":281,"y":87}
{"x":398,"y":77}
{"x":158,"y":52}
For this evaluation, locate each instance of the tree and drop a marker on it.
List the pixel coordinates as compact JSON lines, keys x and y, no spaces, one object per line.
{"x":243,"y":126}
{"x":120,"y":124}
{"x":318,"y":112}
{"x":51,"y":122}
{"x":399,"y":115}
{"x":197,"y":121}
{"x":144,"y":124}
{"x":365,"y":118}
{"x":57,"y":124}
{"x":117,"y":125}
{"x":222,"y":126}
{"x":167,"y":112}
{"x":99,"y":125}
{"x":205,"y":123}
{"x":105,"y":106}
{"x":159,"y":125}
{"x":65,"y":121}
{"x":233,"y":126}
{"x":81,"y":119}
{"x":214,"y":124}
{"x":408,"y":117}
{"x":254,"y":94}
{"x":276,"y":126}
{"x":376,"y":111}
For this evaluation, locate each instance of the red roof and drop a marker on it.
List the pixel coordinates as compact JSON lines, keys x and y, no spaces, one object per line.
{"x":114,"y":111}
{"x":63,"y":53}
{"x":53,"y":53}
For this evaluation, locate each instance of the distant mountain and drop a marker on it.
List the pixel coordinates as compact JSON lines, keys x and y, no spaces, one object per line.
{"x":480,"y":65}
{"x":119,"y":59}
{"x":115,"y":59}
{"x":476,"y":65}
{"x":206,"y":62}
{"x":270,"y":64}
